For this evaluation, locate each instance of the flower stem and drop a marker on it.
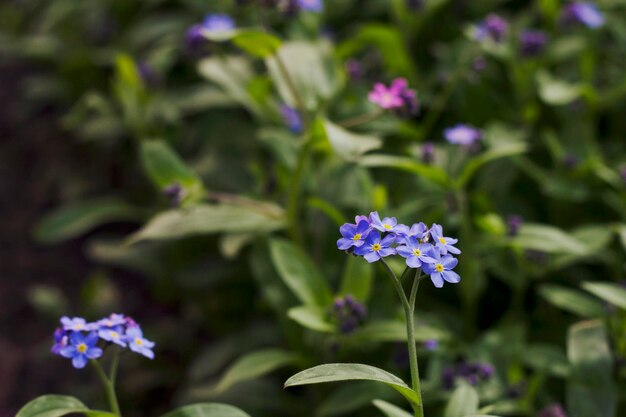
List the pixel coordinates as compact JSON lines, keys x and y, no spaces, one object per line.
{"x":418,"y":409}
{"x":364,"y":118}
{"x":108,"y":386}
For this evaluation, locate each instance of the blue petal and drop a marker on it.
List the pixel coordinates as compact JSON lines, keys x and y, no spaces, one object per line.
{"x":68,"y":351}
{"x":79,"y":361}
{"x":449,"y":262}
{"x":387,"y":251}
{"x":437,"y":280}
{"x":372,"y":257}
{"x":451,"y":276}
{"x":413,"y":262}
{"x":347,"y":230}
{"x":93,"y":353}
{"x":404,"y":251}
{"x":344,"y":244}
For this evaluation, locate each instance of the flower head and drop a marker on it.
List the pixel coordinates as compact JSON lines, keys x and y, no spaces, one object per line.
{"x":585,"y":13}
{"x":513,"y":224}
{"x":418,"y":231}
{"x":113,"y":335}
{"x":81,"y":348}
{"x":137,"y":343}
{"x":442,"y":243}
{"x":462,"y":134}
{"x":76,"y":324}
{"x":60,"y":340}
{"x":532,"y":42}
{"x":218,"y":23}
{"x":348,"y":313}
{"x":428,"y":152}
{"x":375,"y":248}
{"x":398,"y":96}
{"x":194,"y":38}
{"x":387,"y":224}
{"x":316,"y":6}
{"x":493,"y":27}
{"x":472,"y":372}
{"x":292,"y":118}
{"x":112,"y":321}
{"x":353,"y":235}
{"x":442,"y":269}
{"x":431,"y":344}
{"x":416,"y":253}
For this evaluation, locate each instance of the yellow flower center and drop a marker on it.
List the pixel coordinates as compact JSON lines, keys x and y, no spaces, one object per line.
{"x":78,"y":327}
{"x":376,"y":247}
{"x":387,"y":226}
{"x":417,"y":252}
{"x":138,"y":341}
{"x":115,"y":335}
{"x":439,"y":268}
{"x":442,"y":240}
{"x":81,"y":348}
{"x":356,"y":237}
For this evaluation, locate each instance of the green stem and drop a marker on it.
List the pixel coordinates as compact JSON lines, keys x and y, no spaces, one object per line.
{"x":416,"y":284}
{"x":108,"y":386}
{"x":410,"y":333}
{"x":364,"y":118}
{"x":293,"y":199}
{"x":282,"y":68}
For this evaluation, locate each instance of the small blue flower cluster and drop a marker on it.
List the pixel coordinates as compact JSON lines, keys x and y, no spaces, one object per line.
{"x":348,"y":313}
{"x":472,"y":372}
{"x":422,"y":247}
{"x":77,"y":339}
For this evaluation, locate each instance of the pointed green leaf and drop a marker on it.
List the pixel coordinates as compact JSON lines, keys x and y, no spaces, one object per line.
{"x":334,"y":372}
{"x":429,"y":172}
{"x":164,"y":167}
{"x":299,"y":273}
{"x":572,"y":300}
{"x":57,"y":406}
{"x":590,"y":390}
{"x":75,"y":219}
{"x":390,"y":410}
{"x":464,"y":402}
{"x":208,"y":219}
{"x":207,"y":410}
{"x":311,"y":318}
{"x":254,"y":365}
{"x":348,"y":145}
{"x":257,"y":43}
{"x":549,"y":239}
{"x":608,"y":291}
{"x":555,"y":91}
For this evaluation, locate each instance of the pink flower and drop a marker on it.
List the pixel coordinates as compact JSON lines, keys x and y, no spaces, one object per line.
{"x":397,"y":96}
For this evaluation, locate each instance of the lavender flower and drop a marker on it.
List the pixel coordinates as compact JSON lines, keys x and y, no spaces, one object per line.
{"x":493,"y":27}
{"x":513,"y":224}
{"x":387,"y":224}
{"x":175,"y":193}
{"x":76,"y":324}
{"x":348,"y":313}
{"x":218,"y":24}
{"x":353,"y":235}
{"x":428,"y":152}
{"x":532,"y":42}
{"x":417,"y":254}
{"x":431,"y":344}
{"x":60,"y":340}
{"x":472,"y":372}
{"x":81,"y":349}
{"x":441,"y":269}
{"x":375,"y":248}
{"x":462,"y":134}
{"x":113,"y":334}
{"x":417,"y":231}
{"x":442,"y":243}
{"x":137,"y":343}
{"x":292,"y":118}
{"x":316,"y":6}
{"x":585,"y":13}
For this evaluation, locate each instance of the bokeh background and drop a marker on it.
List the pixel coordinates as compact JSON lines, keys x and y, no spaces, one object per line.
{"x":539,"y":204}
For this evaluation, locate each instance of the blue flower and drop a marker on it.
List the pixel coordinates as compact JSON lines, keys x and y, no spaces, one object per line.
{"x":585,"y":13}
{"x":388,"y":224}
{"x":292,"y":118}
{"x":112,"y":321}
{"x":218,"y":23}
{"x":76,"y":324}
{"x":81,"y":348}
{"x":113,"y":335}
{"x":441,"y":270}
{"x":60,"y":340}
{"x":492,"y":27}
{"x":418,"y":231}
{"x":442,"y":243}
{"x":316,"y":6}
{"x":353,"y":235}
{"x":431,"y":344}
{"x":137,"y":343}
{"x":462,"y":134}
{"x":417,"y":254}
{"x":374,"y":248}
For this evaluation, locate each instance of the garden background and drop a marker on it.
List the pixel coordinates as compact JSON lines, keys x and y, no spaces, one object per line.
{"x":161,"y":164}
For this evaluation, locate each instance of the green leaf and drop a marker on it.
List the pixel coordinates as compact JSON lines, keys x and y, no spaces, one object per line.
{"x":590,"y":390}
{"x":207,"y":410}
{"x":547,"y":359}
{"x":75,"y":219}
{"x":299,"y":273}
{"x":557,"y":92}
{"x":57,"y":406}
{"x":164,"y":167}
{"x":429,"y":172}
{"x":357,"y":278}
{"x":608,"y":291}
{"x":335,"y":372}
{"x":464,"y":402}
{"x":549,"y":239}
{"x":572,"y":300}
{"x":350,"y":146}
{"x":348,"y":398}
{"x":254,"y":365}
{"x":208,"y":219}
{"x":390,"y":410}
{"x":257,"y":43}
{"x":311,"y":318}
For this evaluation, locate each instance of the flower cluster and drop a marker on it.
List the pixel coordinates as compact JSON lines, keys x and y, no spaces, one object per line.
{"x":472,"y":372}
{"x":493,"y":27}
{"x":532,"y":42}
{"x":462,"y":134}
{"x":422,"y":247}
{"x":584,"y":13}
{"x":78,"y":340}
{"x":348,"y":313}
{"x":398,"y":96}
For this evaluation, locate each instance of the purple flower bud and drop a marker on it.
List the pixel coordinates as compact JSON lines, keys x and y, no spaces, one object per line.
{"x":428,"y":152}
{"x":584,"y":13}
{"x":354,"y":69}
{"x":339,"y":303}
{"x":462,"y":134}
{"x":485,"y":370}
{"x":292,"y":118}
{"x":532,"y":42}
{"x":431,"y":344}
{"x":513,"y":223}
{"x":493,"y":27}
{"x":175,"y":193}
{"x":148,"y":74}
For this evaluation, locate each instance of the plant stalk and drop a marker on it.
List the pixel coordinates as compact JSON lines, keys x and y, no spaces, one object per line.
{"x":418,"y":409}
{"x":108,"y":385}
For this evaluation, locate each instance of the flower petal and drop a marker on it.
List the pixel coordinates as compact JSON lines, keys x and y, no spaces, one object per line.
{"x":451,"y":276}
{"x":79,"y":361}
{"x":437,"y":279}
{"x":372,"y":257}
